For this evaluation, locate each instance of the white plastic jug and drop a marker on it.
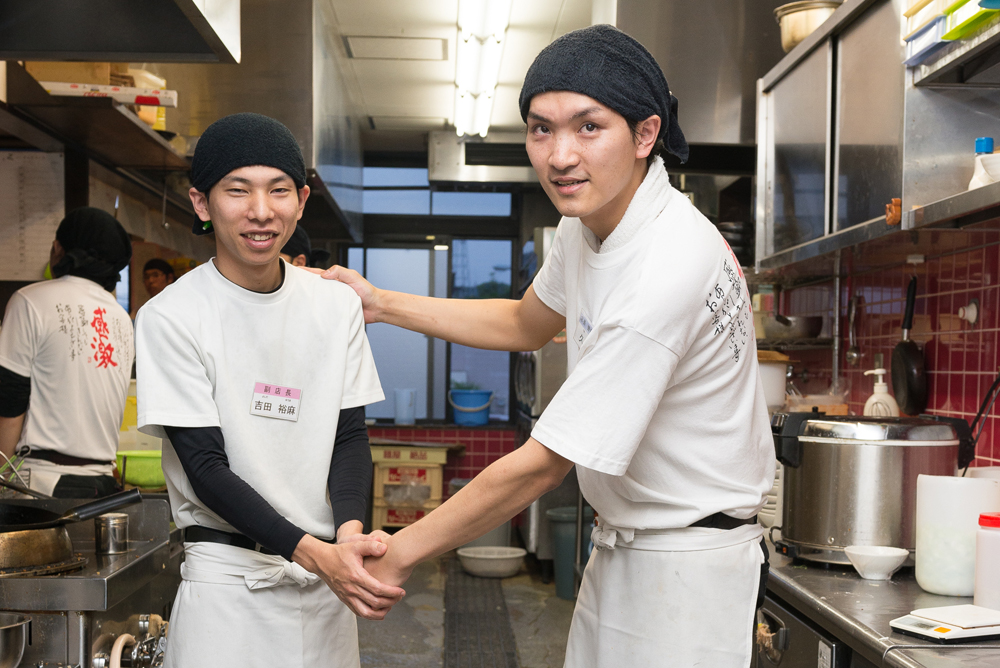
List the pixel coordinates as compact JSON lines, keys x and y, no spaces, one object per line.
{"x":406,"y":406}
{"x":948,"y":510}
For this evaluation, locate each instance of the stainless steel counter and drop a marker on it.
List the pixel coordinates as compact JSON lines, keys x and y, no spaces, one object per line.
{"x":105,"y":580}
{"x":858,"y":612}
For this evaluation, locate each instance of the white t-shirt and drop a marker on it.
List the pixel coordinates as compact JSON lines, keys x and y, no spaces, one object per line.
{"x":212,"y":354}
{"x":663,"y":409}
{"x":74,"y":341}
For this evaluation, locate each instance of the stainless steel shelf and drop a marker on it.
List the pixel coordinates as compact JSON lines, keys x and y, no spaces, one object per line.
{"x":966,"y":62}
{"x":794,"y":344}
{"x":965,"y":208}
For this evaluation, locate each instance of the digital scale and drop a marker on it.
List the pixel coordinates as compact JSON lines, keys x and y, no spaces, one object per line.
{"x":954,"y":623}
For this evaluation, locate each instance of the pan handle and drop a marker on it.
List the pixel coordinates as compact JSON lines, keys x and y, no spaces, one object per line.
{"x":911,"y":299}
{"x":101,"y":506}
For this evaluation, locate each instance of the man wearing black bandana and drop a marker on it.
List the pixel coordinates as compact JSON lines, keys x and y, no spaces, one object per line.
{"x":67,"y":345}
{"x":662,"y":411}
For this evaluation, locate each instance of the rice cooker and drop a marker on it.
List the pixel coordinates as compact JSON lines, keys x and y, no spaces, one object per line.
{"x":853,"y":480}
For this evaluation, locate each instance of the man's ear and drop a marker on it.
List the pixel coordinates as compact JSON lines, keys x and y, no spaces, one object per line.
{"x":303,"y":193}
{"x":647,"y":131}
{"x":299,"y":261}
{"x":199,"y":201}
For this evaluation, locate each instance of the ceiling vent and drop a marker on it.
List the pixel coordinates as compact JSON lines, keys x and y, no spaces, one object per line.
{"x":395,"y":48}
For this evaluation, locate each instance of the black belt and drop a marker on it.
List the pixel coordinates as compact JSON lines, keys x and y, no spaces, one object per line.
{"x":200,"y":534}
{"x":723,"y":521}
{"x":64,"y":460}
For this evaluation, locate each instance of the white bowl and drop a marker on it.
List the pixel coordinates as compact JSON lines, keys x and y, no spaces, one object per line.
{"x":876,"y":563}
{"x":491,"y":562}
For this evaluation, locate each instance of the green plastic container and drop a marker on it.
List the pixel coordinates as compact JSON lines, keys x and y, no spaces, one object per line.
{"x":563,"y":525}
{"x":143,"y":469}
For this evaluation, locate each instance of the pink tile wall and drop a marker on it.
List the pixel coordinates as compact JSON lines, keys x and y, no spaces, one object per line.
{"x":482,"y":446}
{"x":961,"y":359}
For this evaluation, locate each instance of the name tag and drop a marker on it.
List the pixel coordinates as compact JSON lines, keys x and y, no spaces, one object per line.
{"x":275,"y":401}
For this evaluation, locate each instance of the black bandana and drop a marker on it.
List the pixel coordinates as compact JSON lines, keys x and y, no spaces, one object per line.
{"x":604,"y":63}
{"x":97,"y":247}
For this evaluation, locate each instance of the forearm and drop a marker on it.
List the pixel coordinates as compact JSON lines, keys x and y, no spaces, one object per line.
{"x":490,"y":324}
{"x":498,"y":493}
{"x":10,"y":433}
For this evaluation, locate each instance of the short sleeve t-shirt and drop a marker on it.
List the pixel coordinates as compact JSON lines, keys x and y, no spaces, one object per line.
{"x":662,"y":410}
{"x":75,"y":343}
{"x":271,"y":370}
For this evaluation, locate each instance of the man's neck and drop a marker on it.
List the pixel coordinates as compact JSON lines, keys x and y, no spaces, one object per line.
{"x":256,"y":278}
{"x":604,"y":221}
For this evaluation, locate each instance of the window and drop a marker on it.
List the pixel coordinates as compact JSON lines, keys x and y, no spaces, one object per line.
{"x":406,"y":191}
{"x":480,"y":269}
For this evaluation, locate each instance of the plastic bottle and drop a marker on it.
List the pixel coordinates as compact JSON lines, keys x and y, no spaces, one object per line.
{"x":881,"y":403}
{"x":981,"y":175}
{"x":988,"y":561}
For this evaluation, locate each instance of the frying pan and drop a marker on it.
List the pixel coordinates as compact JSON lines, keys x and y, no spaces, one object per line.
{"x":15,"y":517}
{"x":909,"y":378}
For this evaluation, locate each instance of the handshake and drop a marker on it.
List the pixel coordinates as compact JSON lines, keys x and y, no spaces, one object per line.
{"x":363,"y":570}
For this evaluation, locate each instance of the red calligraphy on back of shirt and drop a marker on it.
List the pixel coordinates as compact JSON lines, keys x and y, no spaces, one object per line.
{"x":100,"y":344}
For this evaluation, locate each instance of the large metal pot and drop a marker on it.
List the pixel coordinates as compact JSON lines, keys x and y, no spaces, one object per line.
{"x":13,"y":637}
{"x":799,"y":19}
{"x":853,"y":480}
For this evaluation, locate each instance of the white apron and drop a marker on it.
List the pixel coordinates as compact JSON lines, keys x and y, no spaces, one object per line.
{"x":675,"y":598}
{"x":237,"y":608}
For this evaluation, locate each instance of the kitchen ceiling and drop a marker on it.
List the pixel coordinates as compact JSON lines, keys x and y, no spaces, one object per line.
{"x":401,"y":62}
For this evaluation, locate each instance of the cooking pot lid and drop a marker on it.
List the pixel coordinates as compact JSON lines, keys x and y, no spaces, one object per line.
{"x":879,"y":429}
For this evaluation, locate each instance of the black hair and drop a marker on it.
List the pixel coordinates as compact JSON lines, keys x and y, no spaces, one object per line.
{"x":162,"y":265}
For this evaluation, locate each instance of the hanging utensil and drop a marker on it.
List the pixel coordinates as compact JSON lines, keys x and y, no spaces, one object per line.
{"x":853,"y":354}
{"x":14,"y":517}
{"x":18,"y":487}
{"x":909,"y":377}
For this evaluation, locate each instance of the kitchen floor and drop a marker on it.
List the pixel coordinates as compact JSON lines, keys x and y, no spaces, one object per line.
{"x":412,"y":634}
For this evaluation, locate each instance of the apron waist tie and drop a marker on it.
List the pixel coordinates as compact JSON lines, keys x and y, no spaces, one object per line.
{"x":686,"y":539}
{"x":224,"y":564}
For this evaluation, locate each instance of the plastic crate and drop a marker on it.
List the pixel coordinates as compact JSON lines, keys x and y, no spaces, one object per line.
{"x":966,"y":17}
{"x":925,"y":42}
{"x":391,"y":476}
{"x":921,"y":13}
{"x":389,"y":516}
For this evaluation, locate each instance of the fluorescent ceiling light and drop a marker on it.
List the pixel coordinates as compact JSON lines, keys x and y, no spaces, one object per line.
{"x":440,"y":247}
{"x":482,"y":26}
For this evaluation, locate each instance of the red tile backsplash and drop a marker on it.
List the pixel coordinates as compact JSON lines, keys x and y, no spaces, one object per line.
{"x":961,"y":359}
{"x":482,"y":446}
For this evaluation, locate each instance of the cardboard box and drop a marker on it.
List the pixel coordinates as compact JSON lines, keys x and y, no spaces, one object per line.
{"x":90,"y":73}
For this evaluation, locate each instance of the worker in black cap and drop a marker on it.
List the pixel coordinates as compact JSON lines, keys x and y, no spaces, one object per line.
{"x":67,"y":345}
{"x":266,"y":454}
{"x":662,"y":411}
{"x":297,"y":251}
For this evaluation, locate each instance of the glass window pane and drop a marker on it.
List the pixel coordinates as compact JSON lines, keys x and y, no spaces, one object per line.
{"x":356,"y":259}
{"x":122,"y":289}
{"x":471,"y":204}
{"x":413,"y":202}
{"x":481,"y":270}
{"x":394,"y":176}
{"x":400,"y":355}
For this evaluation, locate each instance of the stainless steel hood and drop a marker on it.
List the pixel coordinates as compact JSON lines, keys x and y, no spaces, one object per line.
{"x":206,"y":31}
{"x":712,"y":53}
{"x":291,"y":70}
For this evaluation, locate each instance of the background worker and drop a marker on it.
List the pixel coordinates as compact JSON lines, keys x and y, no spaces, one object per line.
{"x":66,"y":350}
{"x":157,"y":274}
{"x":662,"y":411}
{"x":297,"y":251}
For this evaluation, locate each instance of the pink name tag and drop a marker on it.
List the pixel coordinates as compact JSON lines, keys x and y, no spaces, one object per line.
{"x":275,"y":401}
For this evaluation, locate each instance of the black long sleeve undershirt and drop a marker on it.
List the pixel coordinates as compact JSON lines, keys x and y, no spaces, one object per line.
{"x":202,"y":453}
{"x":14,"y":392}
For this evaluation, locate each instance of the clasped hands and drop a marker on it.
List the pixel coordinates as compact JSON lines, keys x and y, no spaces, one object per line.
{"x":357,"y":569}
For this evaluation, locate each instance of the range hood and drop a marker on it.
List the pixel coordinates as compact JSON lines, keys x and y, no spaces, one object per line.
{"x":290,"y":70}
{"x":203,"y":31}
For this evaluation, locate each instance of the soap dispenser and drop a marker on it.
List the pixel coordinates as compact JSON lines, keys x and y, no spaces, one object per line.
{"x":881,"y":403}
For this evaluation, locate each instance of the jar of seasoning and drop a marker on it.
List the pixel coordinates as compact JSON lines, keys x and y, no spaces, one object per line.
{"x":988,"y":561}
